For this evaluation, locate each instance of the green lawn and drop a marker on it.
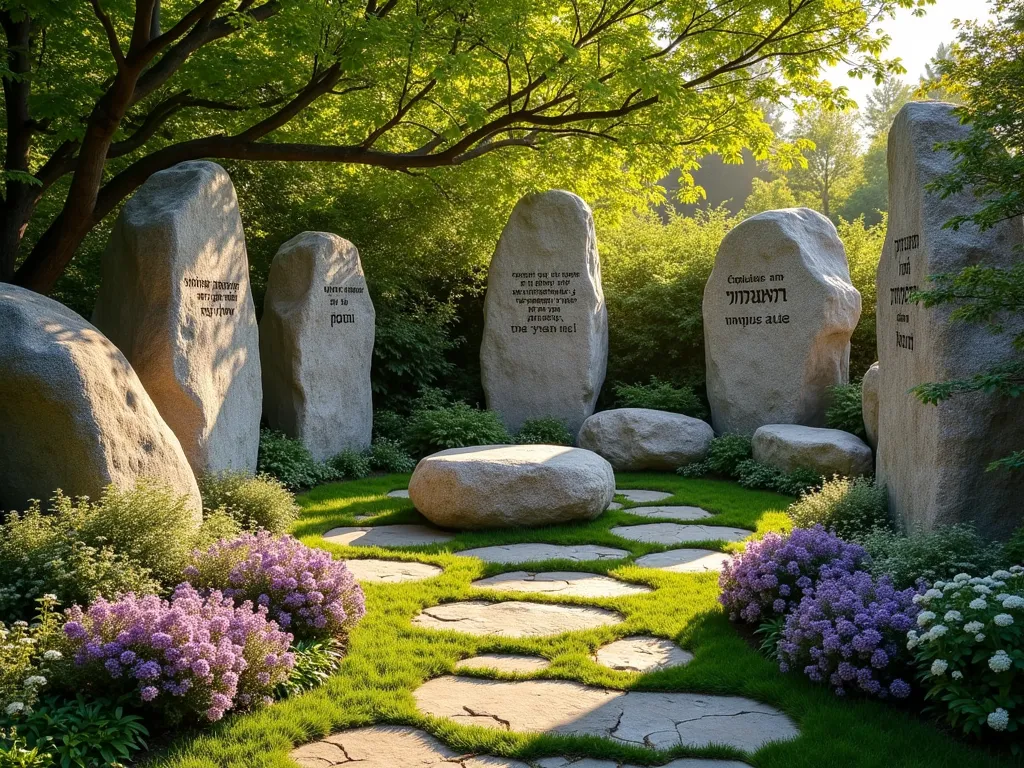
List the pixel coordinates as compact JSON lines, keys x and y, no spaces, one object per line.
{"x":388,"y":658}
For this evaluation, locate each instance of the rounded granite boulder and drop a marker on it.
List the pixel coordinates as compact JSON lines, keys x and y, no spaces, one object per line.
{"x":826,"y":451}
{"x":505,"y":486}
{"x":634,"y":439}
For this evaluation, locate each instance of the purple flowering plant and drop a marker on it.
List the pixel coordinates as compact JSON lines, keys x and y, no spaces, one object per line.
{"x":304,"y":590}
{"x":848,"y":632}
{"x":192,"y":656}
{"x":768,"y":578}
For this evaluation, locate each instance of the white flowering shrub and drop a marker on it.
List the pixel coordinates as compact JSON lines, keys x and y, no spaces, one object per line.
{"x":28,"y":655}
{"x":969,"y":649}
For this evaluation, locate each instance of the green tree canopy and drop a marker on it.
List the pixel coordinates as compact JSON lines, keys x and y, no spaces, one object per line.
{"x":833,"y":166}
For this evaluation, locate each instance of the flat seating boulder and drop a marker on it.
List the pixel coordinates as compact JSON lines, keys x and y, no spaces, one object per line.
{"x":827,"y":451}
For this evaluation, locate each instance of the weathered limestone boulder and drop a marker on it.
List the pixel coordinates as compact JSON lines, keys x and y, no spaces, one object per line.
{"x":545,"y":342}
{"x":869,"y":404}
{"x":779,"y":310}
{"x":506,"y":486}
{"x":175,"y":300}
{"x":316,"y":345}
{"x":73,"y":414}
{"x":932,"y":459}
{"x":826,"y":451}
{"x":634,"y":439}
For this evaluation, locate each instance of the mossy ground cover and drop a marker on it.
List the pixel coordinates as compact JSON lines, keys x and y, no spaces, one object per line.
{"x":388,"y":658}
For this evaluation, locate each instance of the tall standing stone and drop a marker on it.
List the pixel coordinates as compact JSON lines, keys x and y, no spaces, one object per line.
{"x":545,"y":343}
{"x":932,"y":459}
{"x":779,"y":310}
{"x":316,"y":345}
{"x":73,"y":414}
{"x":175,"y":300}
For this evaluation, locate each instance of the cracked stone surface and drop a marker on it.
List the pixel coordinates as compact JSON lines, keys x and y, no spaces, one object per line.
{"x":532,"y":553}
{"x":388,"y":536}
{"x":561,"y":583}
{"x":673,"y":533}
{"x":655,"y":720}
{"x":513,"y":618}
{"x":505,"y":662}
{"x":672,"y":512}
{"x":684,"y":560}
{"x":400,"y":494}
{"x":642,"y":654}
{"x":391,"y":571}
{"x":634,"y":494}
{"x":615,"y":505}
{"x":590,"y":762}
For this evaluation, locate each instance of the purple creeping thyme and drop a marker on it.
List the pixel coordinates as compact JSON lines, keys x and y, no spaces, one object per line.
{"x":191,"y":656}
{"x":305,"y":590}
{"x":849,"y":632}
{"x":769,"y":577}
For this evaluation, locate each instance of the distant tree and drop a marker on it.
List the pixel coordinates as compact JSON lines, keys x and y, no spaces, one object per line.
{"x":870,"y":199}
{"x":768,"y":196}
{"x":883,"y":103}
{"x":930,"y":86}
{"x":833,"y":166}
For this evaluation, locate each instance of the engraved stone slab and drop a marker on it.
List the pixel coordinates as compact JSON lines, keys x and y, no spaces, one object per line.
{"x":505,"y":662}
{"x":513,"y":618}
{"x":535,"y":553}
{"x":640,"y":496}
{"x":673,"y":512}
{"x":684,"y":560}
{"x":779,"y":310}
{"x":391,"y":571}
{"x":673,"y":533}
{"x":316,"y":344}
{"x":175,"y":299}
{"x":388,"y":536}
{"x":545,"y":341}
{"x":642,"y":654}
{"x":561,"y":583}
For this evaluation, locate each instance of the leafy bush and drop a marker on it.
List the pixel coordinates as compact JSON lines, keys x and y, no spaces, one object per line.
{"x":454,"y":426}
{"x":753,"y":474}
{"x":970,"y":650}
{"x":660,"y":396}
{"x":390,"y":456}
{"x":217,"y":525}
{"x":28,"y":654}
{"x":15,"y":752}
{"x":849,"y":508}
{"x":1013,"y":551}
{"x":257,"y":503}
{"x":848,"y":632}
{"x":190,"y":657}
{"x":290,"y":461}
{"x":315,"y":661}
{"x":388,"y":425}
{"x":303,"y":589}
{"x":350,"y":465}
{"x":768,"y":578}
{"x":725,"y":455}
{"x":941,"y":554}
{"x":545,"y":431}
{"x":845,"y":411}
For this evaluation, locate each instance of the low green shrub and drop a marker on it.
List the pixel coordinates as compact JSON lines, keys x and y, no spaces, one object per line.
{"x":660,"y":396}
{"x":260,"y":502}
{"x":350,"y":465}
{"x":1013,"y":551}
{"x":15,"y":752}
{"x":845,"y":410}
{"x":940,"y":554}
{"x":28,"y":657}
{"x":544,"y":431}
{"x":753,"y":474}
{"x":315,"y":662}
{"x":849,"y":508}
{"x":454,"y":426}
{"x":388,"y":425}
{"x":725,"y":455}
{"x":290,"y":461}
{"x":432,"y":399}
{"x":390,"y":456}
{"x":217,"y":524}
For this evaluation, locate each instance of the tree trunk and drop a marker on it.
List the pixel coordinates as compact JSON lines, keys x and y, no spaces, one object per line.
{"x":17,"y":193}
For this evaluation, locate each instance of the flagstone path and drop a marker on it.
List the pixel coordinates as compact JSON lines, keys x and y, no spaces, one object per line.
{"x":505,"y":662}
{"x":391,"y":571}
{"x":561,"y":583}
{"x":684,"y":560}
{"x":642,"y":654}
{"x":673,"y":533}
{"x":671,"y":512}
{"x":513,"y":618}
{"x":535,"y":553}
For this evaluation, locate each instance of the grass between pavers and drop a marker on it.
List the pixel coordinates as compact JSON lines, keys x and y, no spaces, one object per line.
{"x":388,"y":658}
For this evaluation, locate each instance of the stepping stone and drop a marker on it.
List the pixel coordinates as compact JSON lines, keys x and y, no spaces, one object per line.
{"x":615,"y":505}
{"x":673,"y":533}
{"x":636,"y":495}
{"x":402,"y":494}
{"x":685,"y":560}
{"x":561,"y":583}
{"x":589,"y":762}
{"x":390,"y":746}
{"x":638,"y":718}
{"x":534,"y":553}
{"x":391,"y":571}
{"x":514,"y":618}
{"x":674,"y":513}
{"x":642,"y":654}
{"x":505,"y":662}
{"x":388,"y":536}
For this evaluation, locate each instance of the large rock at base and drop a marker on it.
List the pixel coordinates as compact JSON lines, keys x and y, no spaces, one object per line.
{"x":175,"y":300}
{"x":545,"y":342}
{"x":634,"y":439}
{"x":869,"y":404}
{"x":316,"y":345}
{"x":506,"y":486}
{"x":932,"y":459}
{"x":779,"y":310}
{"x":73,"y":414}
{"x":825,"y":451}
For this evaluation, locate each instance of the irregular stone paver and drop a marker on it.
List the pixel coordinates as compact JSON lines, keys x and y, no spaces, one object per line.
{"x":400,"y":494}
{"x":674,"y":513}
{"x":391,"y":571}
{"x":615,"y":505}
{"x":684,"y":560}
{"x":388,"y":746}
{"x":388,"y":536}
{"x":673,"y":533}
{"x":505,"y":662}
{"x":589,"y":762}
{"x":513,"y":618}
{"x":633,"y":494}
{"x":642,"y":654}
{"x":533,"y":553}
{"x":561,"y":583}
{"x":656,"y":720}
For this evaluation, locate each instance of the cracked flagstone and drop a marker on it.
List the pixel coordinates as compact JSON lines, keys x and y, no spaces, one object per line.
{"x":399,"y":494}
{"x":685,"y":560}
{"x":636,"y":495}
{"x":615,"y":505}
{"x":505,"y":662}
{"x":534,"y":553}
{"x":391,"y":571}
{"x":561,"y":583}
{"x":642,"y":654}
{"x":673,"y":533}
{"x":671,"y":512}
{"x":654,"y":720}
{"x":388,"y":536}
{"x":513,"y":618}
